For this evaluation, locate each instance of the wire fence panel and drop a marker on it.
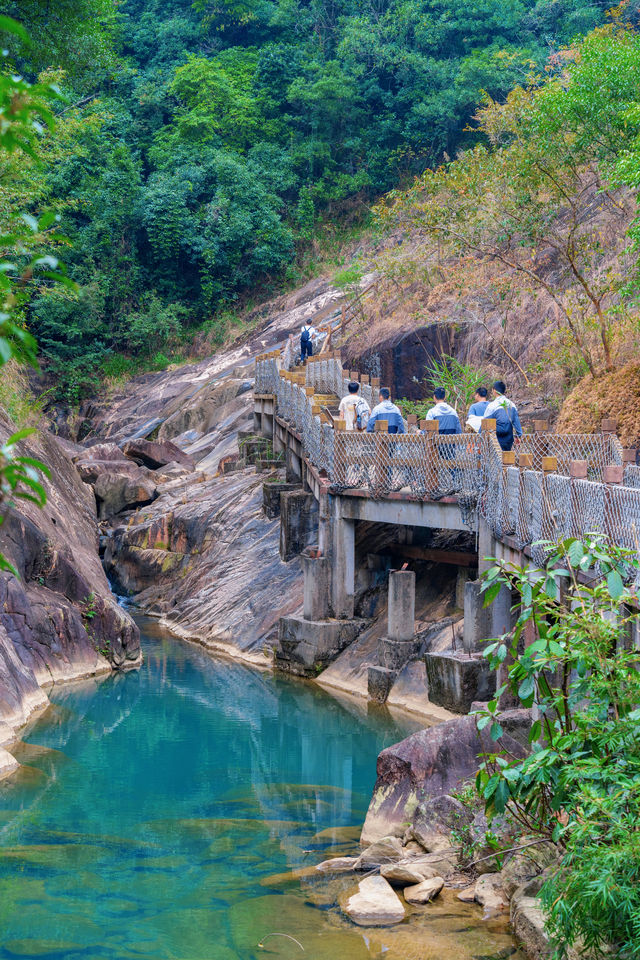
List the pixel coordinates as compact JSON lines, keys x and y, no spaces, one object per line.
{"x":521,"y":501}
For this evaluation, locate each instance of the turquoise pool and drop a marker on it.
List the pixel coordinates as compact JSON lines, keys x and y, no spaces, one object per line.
{"x":160,"y":814}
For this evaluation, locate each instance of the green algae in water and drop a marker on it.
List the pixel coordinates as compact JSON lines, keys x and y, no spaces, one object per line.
{"x":158,"y":812}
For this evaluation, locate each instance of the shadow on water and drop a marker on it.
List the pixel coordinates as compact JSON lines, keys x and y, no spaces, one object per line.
{"x":159,"y":814}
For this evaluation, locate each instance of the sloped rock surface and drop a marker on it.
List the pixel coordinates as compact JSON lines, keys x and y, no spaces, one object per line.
{"x":59,"y":620}
{"x":204,"y":557}
{"x":429,"y":763}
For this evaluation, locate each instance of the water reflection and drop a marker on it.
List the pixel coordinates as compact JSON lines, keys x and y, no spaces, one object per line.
{"x":157,"y":812}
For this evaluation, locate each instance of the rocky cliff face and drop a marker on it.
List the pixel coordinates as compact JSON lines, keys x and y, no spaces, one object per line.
{"x":184,"y":536}
{"x":59,"y":620}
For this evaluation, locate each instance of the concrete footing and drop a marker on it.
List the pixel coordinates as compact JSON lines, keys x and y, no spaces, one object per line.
{"x":271,"y":493}
{"x":395,"y":653}
{"x":379,"y":682}
{"x":306,"y":647}
{"x":456,"y":679}
{"x":298,"y":522}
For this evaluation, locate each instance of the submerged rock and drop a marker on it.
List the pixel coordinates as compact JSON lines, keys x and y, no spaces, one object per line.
{"x":375,"y":904}
{"x":490,"y":895}
{"x":338,"y":865}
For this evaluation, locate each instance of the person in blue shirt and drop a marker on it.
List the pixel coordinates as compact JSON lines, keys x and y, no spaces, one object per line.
{"x":385,"y":410}
{"x":505,"y":413}
{"x":477,"y":409}
{"x":448,"y":420}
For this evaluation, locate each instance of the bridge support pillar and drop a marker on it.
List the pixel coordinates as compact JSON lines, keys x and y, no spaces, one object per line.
{"x":402,"y":605}
{"x":486,"y":545}
{"x":478,"y":621}
{"x":343,"y":568}
{"x":293,"y":465}
{"x":317,"y":584}
{"x":298,"y":523}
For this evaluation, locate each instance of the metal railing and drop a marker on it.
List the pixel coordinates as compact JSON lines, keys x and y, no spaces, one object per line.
{"x":553,"y":486}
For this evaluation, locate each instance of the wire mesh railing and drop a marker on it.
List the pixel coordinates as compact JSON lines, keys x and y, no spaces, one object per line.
{"x":531,"y":495}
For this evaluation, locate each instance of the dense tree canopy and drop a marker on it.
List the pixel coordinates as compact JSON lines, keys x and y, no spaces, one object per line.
{"x":201,"y":143}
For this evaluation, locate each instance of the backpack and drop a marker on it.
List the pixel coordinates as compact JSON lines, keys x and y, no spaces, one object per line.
{"x":305,"y":336}
{"x":504,"y":423}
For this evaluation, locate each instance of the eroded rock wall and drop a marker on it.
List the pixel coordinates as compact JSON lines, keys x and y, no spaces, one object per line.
{"x":58,"y":619}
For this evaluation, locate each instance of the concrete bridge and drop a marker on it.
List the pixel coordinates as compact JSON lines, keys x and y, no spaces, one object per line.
{"x":461,"y":492}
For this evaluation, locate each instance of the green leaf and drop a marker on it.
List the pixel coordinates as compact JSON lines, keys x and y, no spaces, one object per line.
{"x":615,"y":584}
{"x":575,"y":553}
{"x":490,"y":594}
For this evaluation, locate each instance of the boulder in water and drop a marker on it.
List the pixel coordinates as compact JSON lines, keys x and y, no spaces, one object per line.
{"x":375,"y":904}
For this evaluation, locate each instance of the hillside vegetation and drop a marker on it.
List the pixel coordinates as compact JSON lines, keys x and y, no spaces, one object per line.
{"x":527,"y":243}
{"x":202,"y":150}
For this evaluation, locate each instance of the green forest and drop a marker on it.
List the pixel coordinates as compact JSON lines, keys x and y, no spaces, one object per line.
{"x":200,"y":150}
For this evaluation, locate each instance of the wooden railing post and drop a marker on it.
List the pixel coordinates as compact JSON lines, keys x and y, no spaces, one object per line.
{"x":578,"y":470}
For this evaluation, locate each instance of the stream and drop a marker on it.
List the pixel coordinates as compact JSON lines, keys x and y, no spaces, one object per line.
{"x":160,"y":814}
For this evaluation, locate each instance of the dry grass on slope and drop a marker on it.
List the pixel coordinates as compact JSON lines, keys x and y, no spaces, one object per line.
{"x":615,"y":396}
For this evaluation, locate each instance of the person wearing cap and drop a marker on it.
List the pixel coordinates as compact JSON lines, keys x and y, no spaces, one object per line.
{"x":505,"y":413}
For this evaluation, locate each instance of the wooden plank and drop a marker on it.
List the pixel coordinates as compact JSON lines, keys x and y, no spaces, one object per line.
{"x":459,"y":558}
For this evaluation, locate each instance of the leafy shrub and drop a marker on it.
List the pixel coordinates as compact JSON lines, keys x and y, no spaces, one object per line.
{"x":570,"y":657}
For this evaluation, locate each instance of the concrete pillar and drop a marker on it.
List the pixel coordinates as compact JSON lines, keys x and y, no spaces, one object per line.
{"x":478,"y":623}
{"x":502,"y":618}
{"x":402,"y":605}
{"x":267,"y":425}
{"x":293,"y":466}
{"x":343,"y":568}
{"x":317,"y":577}
{"x":257,"y":420}
{"x":279,"y":445}
{"x":298,"y":523}
{"x":463,"y":576}
{"x":486,"y":545}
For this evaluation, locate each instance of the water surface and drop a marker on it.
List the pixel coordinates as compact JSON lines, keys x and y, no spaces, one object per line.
{"x":159,"y":815}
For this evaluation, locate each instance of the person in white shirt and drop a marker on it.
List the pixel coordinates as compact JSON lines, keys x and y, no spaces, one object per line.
{"x":354,"y":409}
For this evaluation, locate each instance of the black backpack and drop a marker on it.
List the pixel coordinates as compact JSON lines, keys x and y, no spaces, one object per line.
{"x":305,"y":336}
{"x":504,"y":423}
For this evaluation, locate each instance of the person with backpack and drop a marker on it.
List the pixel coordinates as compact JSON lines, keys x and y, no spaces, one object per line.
{"x":448,"y":420}
{"x":505,"y":413}
{"x":354,"y":409}
{"x":306,"y":341}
